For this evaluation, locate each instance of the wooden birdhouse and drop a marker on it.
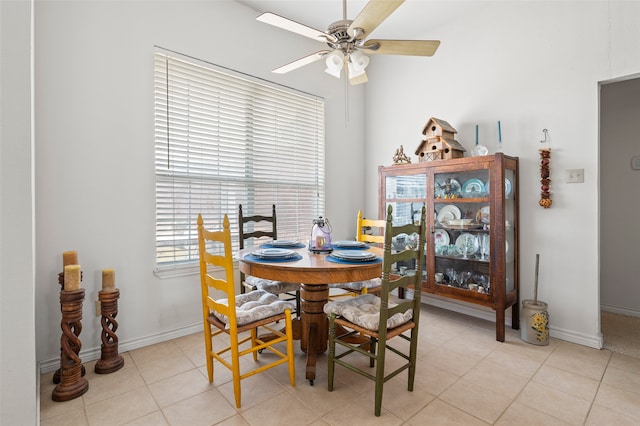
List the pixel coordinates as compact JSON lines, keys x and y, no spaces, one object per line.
{"x":430,"y":152}
{"x":436,"y":127}
{"x":439,"y":143}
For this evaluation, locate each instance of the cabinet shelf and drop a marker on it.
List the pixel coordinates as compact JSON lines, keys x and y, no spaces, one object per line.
{"x":455,"y":229}
{"x":440,"y":256}
{"x":461,"y":200}
{"x":498,"y":275}
{"x":463,"y":291}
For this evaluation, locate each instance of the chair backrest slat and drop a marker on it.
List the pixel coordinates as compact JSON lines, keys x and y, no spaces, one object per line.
{"x":391,"y":257}
{"x":207,"y":259}
{"x":378,"y":229}
{"x":243,"y":220}
{"x":244,"y":234}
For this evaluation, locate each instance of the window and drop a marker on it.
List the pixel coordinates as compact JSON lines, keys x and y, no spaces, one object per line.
{"x":224,"y":139}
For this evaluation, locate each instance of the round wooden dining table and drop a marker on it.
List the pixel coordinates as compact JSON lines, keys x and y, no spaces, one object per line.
{"x":314,"y":273}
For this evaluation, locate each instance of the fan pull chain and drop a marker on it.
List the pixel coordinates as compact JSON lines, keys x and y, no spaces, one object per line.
{"x":346,"y":102}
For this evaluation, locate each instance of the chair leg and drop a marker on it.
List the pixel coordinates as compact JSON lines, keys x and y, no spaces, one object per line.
{"x":254,"y":336}
{"x":298,"y":304}
{"x":379,"y":378}
{"x":208,"y":347}
{"x":290,"y":355}
{"x":235,"y":369}
{"x":413,"y":351}
{"x":372,"y":351}
{"x":332,"y":351}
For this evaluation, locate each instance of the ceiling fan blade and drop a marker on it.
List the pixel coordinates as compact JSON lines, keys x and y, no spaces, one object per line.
{"x":301,"y":62}
{"x":401,"y":47}
{"x":372,"y":15}
{"x":293,"y":26}
{"x":359,"y":79}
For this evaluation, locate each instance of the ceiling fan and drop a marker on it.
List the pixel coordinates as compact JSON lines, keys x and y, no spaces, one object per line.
{"x":346,"y":40}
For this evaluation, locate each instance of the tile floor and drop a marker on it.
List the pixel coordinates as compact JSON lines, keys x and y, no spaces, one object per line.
{"x":464,"y":377}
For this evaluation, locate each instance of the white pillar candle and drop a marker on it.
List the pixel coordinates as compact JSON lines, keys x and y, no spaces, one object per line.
{"x":69,"y":258}
{"x":108,"y":280}
{"x":71,"y":277}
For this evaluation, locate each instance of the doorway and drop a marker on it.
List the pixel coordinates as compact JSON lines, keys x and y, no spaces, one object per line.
{"x":619,"y":144}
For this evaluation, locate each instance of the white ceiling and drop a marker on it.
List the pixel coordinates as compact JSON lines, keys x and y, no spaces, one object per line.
{"x":314,"y":13}
{"x":412,"y":20}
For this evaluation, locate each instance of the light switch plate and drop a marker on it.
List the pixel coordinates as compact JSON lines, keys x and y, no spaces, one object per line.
{"x":575,"y":175}
{"x":635,"y":163}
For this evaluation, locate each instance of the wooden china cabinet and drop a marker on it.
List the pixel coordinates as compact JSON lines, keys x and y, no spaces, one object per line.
{"x":472,"y":240}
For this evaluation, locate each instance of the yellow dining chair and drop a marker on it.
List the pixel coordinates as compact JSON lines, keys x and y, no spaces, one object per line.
{"x":264,"y":226}
{"x":380,"y":319}
{"x":242,"y":318}
{"x":377,"y":227}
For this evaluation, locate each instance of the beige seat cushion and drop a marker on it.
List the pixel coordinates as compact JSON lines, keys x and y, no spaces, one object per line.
{"x":364,"y":311}
{"x":274,"y":287}
{"x":359,"y":285}
{"x":254,"y":306}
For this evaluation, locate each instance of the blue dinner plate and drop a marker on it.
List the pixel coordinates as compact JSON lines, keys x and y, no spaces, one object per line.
{"x":354,"y":256}
{"x":473,"y":188}
{"x":350,"y":244}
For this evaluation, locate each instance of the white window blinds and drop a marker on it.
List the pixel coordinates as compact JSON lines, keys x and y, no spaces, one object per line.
{"x":224,"y":139}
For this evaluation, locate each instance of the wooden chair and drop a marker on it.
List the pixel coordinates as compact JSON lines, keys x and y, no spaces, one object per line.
{"x":378,"y":225}
{"x":249,"y":312}
{"x":377,"y":238}
{"x":386,"y":321}
{"x":290,"y":290}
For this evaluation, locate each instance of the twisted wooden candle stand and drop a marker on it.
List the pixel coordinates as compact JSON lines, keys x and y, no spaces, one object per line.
{"x":71,"y":383}
{"x":110,"y":360}
{"x":56,"y":375}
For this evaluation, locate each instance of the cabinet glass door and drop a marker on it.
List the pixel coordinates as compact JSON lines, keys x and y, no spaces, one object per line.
{"x":461,"y":239}
{"x":408,"y":186}
{"x":510,"y":223}
{"x":406,"y":194}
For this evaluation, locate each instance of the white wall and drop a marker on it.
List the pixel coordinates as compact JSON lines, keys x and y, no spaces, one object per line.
{"x":18,"y":370}
{"x":95,"y":152}
{"x":534,"y":66}
{"x":619,"y":202}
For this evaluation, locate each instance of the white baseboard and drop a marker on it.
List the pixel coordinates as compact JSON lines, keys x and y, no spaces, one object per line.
{"x":470,"y":309}
{"x":444,"y":303}
{"x":126,"y":346}
{"x":490,"y":315}
{"x":595,"y":342}
{"x":620,"y":310}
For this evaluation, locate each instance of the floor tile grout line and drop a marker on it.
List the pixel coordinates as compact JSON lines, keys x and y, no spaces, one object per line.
{"x":467,"y":329}
{"x":595,"y":395}
{"x":542,"y":365}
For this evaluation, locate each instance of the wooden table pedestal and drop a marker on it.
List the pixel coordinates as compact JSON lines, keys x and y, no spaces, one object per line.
{"x":315,"y":325}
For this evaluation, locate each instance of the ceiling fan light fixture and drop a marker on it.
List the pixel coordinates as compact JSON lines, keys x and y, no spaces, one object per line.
{"x":347,"y":37}
{"x":335,"y":62}
{"x":358,"y":61}
{"x":355,"y":71}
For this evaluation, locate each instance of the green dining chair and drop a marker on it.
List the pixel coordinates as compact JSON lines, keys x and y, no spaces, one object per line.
{"x":374,"y":320}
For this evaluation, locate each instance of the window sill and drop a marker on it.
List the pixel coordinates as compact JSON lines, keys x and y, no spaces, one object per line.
{"x":176,"y":271}
{"x":169,"y":272}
